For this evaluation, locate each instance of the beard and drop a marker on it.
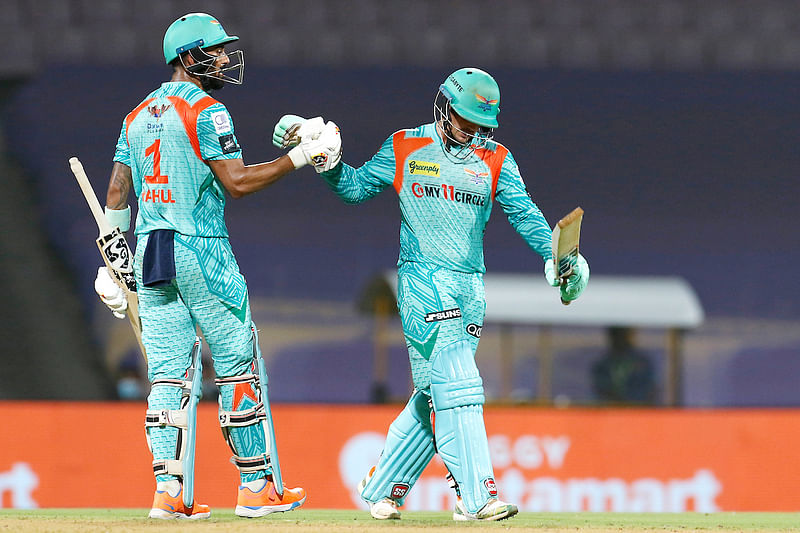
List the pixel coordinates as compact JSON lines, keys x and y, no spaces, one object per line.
{"x":211,"y":83}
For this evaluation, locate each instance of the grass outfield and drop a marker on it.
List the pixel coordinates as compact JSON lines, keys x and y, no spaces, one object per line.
{"x":134,"y":520}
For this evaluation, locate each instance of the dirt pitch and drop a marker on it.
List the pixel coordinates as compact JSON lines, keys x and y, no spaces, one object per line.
{"x":324,"y":521}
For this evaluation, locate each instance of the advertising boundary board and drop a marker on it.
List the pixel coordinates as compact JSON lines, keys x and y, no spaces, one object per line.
{"x":73,"y":454}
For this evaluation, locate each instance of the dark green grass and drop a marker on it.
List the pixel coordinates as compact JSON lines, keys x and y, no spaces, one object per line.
{"x":333,"y":520}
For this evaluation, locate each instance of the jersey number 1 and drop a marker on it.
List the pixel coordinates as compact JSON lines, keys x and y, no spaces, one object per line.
{"x":157,"y":177}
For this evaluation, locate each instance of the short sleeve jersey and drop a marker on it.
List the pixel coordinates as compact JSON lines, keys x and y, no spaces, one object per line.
{"x":166,"y":141}
{"x":445,"y":203}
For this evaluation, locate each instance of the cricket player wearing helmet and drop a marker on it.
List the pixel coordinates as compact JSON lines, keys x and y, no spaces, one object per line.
{"x":178,"y":151}
{"x":447,"y":174}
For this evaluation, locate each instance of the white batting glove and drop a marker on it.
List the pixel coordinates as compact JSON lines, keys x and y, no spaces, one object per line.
{"x":323,"y":152}
{"x":111,"y":293}
{"x":310,"y":129}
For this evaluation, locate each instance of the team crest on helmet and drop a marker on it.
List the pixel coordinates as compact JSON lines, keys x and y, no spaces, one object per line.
{"x":476,"y":177}
{"x":485,"y":103}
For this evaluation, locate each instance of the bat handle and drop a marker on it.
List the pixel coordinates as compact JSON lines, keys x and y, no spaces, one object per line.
{"x":563,"y":282}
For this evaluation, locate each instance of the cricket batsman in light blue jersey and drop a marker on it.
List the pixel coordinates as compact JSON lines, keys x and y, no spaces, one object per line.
{"x":178,"y":152}
{"x":447,"y":175}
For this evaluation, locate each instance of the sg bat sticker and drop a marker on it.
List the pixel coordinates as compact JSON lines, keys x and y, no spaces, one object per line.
{"x":118,"y":256}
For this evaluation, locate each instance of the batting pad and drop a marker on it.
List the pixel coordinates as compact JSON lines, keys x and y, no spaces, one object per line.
{"x":408,"y":450}
{"x":239,"y":396}
{"x":163,"y":439}
{"x":457,"y":394}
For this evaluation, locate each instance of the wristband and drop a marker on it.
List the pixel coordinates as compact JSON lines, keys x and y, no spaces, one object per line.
{"x":297,"y":157}
{"x":119,"y":218}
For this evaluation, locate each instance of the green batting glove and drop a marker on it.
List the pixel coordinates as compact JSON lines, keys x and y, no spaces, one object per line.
{"x":577,"y":282}
{"x":283,"y":135}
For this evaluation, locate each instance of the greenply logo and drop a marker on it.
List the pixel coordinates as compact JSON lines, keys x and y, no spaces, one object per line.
{"x":423,"y":168}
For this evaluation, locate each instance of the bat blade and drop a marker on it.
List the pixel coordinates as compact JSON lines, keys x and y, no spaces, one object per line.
{"x":118,"y":258}
{"x":566,"y":244}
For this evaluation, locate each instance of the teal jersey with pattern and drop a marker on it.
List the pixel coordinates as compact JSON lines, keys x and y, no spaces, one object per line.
{"x":445,"y":204}
{"x":166,"y":142}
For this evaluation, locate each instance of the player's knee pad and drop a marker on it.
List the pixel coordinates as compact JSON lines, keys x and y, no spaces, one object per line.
{"x":241,"y":415}
{"x":408,"y":450}
{"x":457,"y":397}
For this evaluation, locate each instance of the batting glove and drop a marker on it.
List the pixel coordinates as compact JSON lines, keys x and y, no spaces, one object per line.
{"x":111,"y":293}
{"x":577,"y":281}
{"x":550,"y":272}
{"x":283,"y":135}
{"x":323,"y":152}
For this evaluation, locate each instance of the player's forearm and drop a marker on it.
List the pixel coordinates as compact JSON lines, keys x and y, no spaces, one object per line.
{"x":240,"y":179}
{"x":537,"y":234}
{"x":531,"y":225}
{"x":523,"y":214}
{"x":349,"y":184}
{"x":119,"y":186}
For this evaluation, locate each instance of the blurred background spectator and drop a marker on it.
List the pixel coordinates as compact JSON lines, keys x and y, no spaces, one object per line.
{"x":624,"y":373}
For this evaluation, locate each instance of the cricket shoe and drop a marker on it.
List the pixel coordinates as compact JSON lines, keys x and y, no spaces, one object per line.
{"x":167,"y":507}
{"x":385,"y":509}
{"x":252,"y":504}
{"x":493,"y":510}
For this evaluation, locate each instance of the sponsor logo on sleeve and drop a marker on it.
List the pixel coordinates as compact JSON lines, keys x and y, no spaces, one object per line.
{"x":228,"y":144}
{"x":447,"y":314}
{"x":222,"y":122}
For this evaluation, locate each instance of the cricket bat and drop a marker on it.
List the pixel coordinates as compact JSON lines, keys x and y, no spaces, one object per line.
{"x":114,"y":249}
{"x":566,"y":241}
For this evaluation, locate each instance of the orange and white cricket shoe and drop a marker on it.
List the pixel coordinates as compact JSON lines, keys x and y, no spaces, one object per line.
{"x":252,"y":504}
{"x":167,"y":507}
